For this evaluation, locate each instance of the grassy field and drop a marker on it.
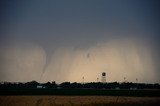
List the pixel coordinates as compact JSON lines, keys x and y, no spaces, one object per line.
{"x":78,"y":97}
{"x":78,"y":101}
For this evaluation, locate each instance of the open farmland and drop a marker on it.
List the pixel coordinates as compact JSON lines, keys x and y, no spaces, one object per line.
{"x":79,"y":97}
{"x":78,"y":101}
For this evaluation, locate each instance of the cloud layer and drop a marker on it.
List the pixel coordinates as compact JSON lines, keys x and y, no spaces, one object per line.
{"x":119,"y":58}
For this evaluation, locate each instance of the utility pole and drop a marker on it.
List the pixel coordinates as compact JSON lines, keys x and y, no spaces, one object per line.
{"x":83,"y":79}
{"x":97,"y":79}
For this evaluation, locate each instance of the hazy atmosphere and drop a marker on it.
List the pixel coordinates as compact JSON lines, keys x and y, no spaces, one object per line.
{"x":65,"y":40}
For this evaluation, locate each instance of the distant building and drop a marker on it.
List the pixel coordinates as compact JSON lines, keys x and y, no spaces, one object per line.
{"x":40,"y":86}
{"x":117,"y":88}
{"x":133,"y":88}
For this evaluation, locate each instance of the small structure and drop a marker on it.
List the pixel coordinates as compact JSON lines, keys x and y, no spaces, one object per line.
{"x":117,"y":88}
{"x":40,"y":86}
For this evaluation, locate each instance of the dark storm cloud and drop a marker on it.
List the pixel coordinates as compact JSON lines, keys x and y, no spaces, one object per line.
{"x":53,"y":24}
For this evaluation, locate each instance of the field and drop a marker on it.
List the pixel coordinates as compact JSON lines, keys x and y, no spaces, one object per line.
{"x":78,"y":97}
{"x":78,"y":101}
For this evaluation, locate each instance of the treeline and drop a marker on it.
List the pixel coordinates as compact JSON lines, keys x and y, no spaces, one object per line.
{"x":68,"y":85}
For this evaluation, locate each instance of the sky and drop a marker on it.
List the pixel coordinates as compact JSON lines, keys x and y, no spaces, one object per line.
{"x":66,"y":40}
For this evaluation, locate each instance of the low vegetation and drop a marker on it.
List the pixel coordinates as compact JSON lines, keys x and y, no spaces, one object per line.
{"x":90,"y":85}
{"x":78,"y":101}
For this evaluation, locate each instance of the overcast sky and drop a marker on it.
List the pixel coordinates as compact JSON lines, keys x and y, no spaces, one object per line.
{"x":65,"y":40}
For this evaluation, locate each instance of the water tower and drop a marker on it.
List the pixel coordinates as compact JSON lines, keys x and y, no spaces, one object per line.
{"x":103,"y":77}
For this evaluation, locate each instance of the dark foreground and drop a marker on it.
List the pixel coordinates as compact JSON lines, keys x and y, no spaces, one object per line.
{"x":78,"y":101}
{"x":81,"y":92}
{"x":79,"y":97}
